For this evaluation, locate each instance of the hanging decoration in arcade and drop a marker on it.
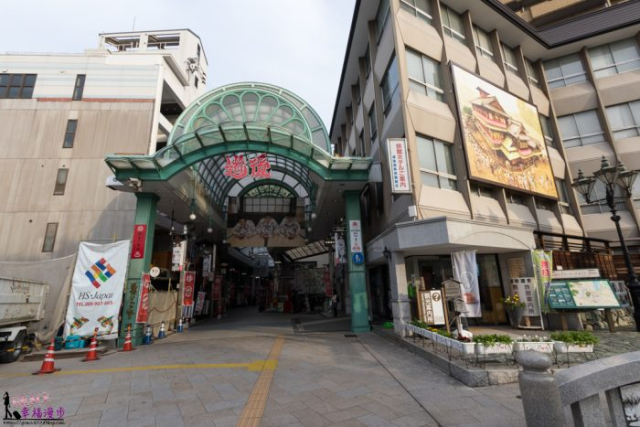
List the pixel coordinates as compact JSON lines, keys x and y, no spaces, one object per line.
{"x":142,"y":315}
{"x":503,"y":139}
{"x":189,"y":287}
{"x":236,"y":166}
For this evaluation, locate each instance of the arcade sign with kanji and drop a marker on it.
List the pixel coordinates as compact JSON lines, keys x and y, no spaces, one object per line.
{"x":399,"y":165}
{"x":236,"y":166}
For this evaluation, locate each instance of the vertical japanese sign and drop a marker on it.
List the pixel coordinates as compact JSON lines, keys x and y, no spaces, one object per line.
{"x":199,"y":302}
{"x":465,"y":271}
{"x":326,"y":277}
{"x":355,"y":231}
{"x":432,"y":307}
{"x":525,"y":287}
{"x":138,"y":242}
{"x":399,"y":165}
{"x":542,"y":267}
{"x":189,"y":287}
{"x":142,"y":315}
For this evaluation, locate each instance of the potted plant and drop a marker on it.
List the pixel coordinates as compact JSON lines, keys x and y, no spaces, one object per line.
{"x":493,"y":344}
{"x":462,"y":345}
{"x":574,"y":341}
{"x":535,"y":342}
{"x":515,"y":308}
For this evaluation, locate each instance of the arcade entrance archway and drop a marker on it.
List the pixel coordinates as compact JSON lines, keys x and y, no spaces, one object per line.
{"x":240,"y":141}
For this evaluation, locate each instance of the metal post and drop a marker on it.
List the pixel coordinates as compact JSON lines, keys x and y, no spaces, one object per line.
{"x":539,"y":391}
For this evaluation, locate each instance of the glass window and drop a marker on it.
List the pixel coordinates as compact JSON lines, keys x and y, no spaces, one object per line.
{"x":419,"y":8}
{"x":532,"y":73}
{"x":563,"y":198}
{"x":624,"y":119}
{"x":484,"y":47}
{"x":546,"y":130}
{"x":544,"y":204}
{"x":17,"y":86}
{"x":615,"y":58}
{"x":436,"y":164}
{"x":350,"y":113}
{"x":482,"y":191}
{"x":70,"y":134}
{"x":565,"y":71}
{"x":580,"y":129}
{"x":356,"y":91}
{"x":50,"y":237}
{"x":373,"y":127}
{"x":389,"y":86}
{"x":78,"y":89}
{"x":424,"y":75}
{"x":363,"y":148}
{"x":61,"y":182}
{"x":382,"y":16}
{"x":367,"y":62}
{"x":515,"y":198}
{"x":452,"y":24}
{"x":510,"y":59}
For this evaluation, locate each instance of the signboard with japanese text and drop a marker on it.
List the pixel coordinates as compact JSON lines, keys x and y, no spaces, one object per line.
{"x":578,"y":294}
{"x":189,"y":287}
{"x":525,"y":287}
{"x":355,"y":234}
{"x":586,"y":273}
{"x":142,"y":315}
{"x":241,"y":165}
{"x":542,"y":268}
{"x":432,"y":307}
{"x":138,"y":241}
{"x":199,"y":303}
{"x":399,"y":165}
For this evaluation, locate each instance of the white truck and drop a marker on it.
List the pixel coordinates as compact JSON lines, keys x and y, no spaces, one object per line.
{"x":21,"y":303}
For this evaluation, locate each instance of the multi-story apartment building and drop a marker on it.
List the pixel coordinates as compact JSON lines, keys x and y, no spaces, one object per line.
{"x":61,"y":114}
{"x":582,"y":75}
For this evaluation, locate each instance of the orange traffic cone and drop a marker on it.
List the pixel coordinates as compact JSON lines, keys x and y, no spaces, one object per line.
{"x":127,"y":340}
{"x":48,"y":364}
{"x":92,"y":354}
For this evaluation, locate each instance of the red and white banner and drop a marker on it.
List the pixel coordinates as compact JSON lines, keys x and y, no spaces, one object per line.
{"x":328,"y":291}
{"x":138,"y":242}
{"x":142,"y":315}
{"x":189,"y":287}
{"x":399,"y":165}
{"x":96,"y":289}
{"x":199,"y":302}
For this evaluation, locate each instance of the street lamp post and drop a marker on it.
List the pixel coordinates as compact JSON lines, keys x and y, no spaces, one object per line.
{"x":612,"y":176}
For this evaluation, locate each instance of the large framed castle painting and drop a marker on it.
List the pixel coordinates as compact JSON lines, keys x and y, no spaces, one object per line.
{"x":502,"y":137}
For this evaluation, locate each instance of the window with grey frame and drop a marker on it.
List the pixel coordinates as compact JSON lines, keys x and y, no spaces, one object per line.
{"x":389,"y":86}
{"x":373,"y":126}
{"x":452,"y":24}
{"x":514,"y":198}
{"x":357,"y":93}
{"x":78,"y":89}
{"x":367,"y":62}
{"x":382,"y":16}
{"x":563,"y":197}
{"x":17,"y":86}
{"x":532,"y":73}
{"x":363,"y":147}
{"x":437,"y":167}
{"x":581,"y":129}
{"x":419,"y":8}
{"x":565,"y":71}
{"x":482,"y":40}
{"x":510,"y":59}
{"x":70,"y":134}
{"x":544,"y":204}
{"x":481,"y":191}
{"x":50,"y":237}
{"x":615,"y":58}
{"x":424,"y":75}
{"x":546,"y":130}
{"x":624,"y":119}
{"x":61,"y":182}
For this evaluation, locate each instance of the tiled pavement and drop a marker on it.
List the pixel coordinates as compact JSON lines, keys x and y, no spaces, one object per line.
{"x":321,"y":379}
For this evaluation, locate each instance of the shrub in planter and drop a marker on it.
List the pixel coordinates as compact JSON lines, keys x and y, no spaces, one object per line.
{"x":535,"y":342}
{"x":574,"y":341}
{"x":493,"y":343}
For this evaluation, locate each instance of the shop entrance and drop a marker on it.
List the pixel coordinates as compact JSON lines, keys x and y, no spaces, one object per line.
{"x":247,"y":176}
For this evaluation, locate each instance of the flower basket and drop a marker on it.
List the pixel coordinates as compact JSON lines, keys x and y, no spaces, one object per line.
{"x":497,"y":348}
{"x":543,"y":347}
{"x":563,"y":347}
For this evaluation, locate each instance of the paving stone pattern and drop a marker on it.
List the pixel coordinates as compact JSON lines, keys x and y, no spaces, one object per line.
{"x":321,"y":379}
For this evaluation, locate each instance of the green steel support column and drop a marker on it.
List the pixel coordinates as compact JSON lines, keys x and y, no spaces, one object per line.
{"x":357,"y":280}
{"x":146,"y":215}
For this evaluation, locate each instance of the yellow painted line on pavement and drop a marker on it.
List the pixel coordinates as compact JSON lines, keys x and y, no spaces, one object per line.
{"x":254,"y":409}
{"x":257,"y":365}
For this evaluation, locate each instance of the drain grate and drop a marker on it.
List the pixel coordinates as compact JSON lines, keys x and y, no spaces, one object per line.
{"x":350,"y":336}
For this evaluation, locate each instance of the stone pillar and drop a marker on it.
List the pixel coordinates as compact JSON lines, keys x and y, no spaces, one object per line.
{"x":146,"y":215}
{"x":400,"y":303}
{"x":539,"y":391}
{"x":357,"y":279}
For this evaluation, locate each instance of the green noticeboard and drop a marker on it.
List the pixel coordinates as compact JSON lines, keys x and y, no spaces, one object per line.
{"x":579,"y":294}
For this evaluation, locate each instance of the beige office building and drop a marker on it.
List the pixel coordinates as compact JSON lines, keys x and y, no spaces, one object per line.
{"x":407,"y":65}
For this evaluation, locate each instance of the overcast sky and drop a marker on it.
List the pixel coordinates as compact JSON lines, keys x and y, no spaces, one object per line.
{"x":296,"y":44}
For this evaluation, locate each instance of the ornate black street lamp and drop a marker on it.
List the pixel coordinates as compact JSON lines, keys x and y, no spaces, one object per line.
{"x":612,"y":176}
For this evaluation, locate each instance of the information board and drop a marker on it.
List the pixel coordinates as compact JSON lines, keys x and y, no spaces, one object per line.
{"x":579,"y":294}
{"x":432,"y":307}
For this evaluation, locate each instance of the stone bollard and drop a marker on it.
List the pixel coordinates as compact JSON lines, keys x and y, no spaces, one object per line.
{"x":539,"y":391}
